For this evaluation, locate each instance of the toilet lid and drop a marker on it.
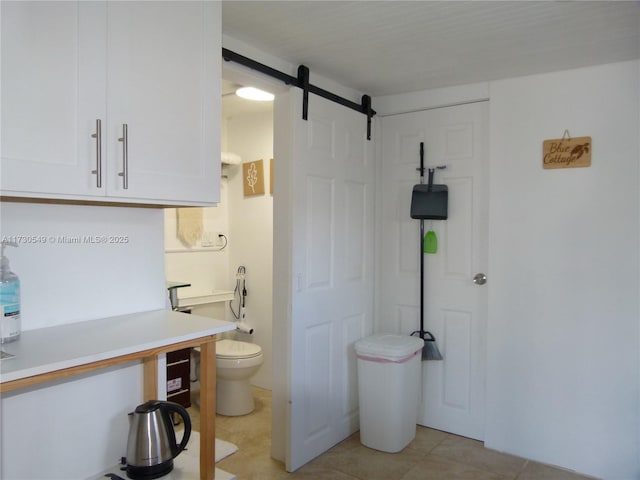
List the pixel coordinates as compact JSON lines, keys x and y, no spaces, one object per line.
{"x":235,"y":349}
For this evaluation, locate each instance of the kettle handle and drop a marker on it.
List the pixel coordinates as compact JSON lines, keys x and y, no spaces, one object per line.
{"x":180,"y":410}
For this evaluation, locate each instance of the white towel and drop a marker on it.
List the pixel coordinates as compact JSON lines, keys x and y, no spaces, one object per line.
{"x":189,"y":225}
{"x":223,"y":448}
{"x":187,"y":464}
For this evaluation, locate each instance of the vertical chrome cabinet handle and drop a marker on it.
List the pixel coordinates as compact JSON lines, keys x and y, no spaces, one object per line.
{"x":98,"y":137}
{"x":125,"y":156}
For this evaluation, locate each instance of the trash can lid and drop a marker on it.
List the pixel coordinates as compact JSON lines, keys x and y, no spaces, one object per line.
{"x":389,"y":346}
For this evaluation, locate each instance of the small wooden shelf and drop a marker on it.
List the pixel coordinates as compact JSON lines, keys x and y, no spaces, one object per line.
{"x":189,"y":298}
{"x":179,"y":376}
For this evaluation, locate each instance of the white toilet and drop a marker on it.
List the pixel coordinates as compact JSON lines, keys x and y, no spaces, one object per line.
{"x":236,"y":363}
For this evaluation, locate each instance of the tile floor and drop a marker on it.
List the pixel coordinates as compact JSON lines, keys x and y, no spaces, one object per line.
{"x":432,"y":455}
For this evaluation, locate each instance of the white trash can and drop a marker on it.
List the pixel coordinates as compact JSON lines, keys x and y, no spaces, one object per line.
{"x":388,"y":388}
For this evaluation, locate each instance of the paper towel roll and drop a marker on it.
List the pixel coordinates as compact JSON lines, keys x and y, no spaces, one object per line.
{"x":244,"y":327}
{"x":229,"y":158}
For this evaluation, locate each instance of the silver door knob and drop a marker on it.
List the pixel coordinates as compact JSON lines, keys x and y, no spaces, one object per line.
{"x":480,"y":279}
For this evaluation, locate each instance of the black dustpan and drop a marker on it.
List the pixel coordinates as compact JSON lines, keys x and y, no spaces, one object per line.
{"x":429,"y":202}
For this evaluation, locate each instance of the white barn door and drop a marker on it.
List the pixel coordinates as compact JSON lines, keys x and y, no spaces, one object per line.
{"x":453,"y":390}
{"x":331,"y":181}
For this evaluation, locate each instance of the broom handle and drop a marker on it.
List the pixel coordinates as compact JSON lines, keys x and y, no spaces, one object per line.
{"x":421,"y":169}
{"x":421,"y":248}
{"x":421,"y":280}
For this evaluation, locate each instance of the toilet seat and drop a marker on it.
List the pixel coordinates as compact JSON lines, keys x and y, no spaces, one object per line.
{"x":233,"y":349}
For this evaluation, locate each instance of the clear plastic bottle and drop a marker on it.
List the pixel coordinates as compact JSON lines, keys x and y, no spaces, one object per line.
{"x":10,"y":323}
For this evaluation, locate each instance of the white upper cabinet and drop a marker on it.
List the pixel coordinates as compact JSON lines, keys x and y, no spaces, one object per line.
{"x":53,"y":90}
{"x":74,"y":69}
{"x":163,"y":82}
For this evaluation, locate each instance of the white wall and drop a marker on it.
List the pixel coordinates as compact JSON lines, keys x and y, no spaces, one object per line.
{"x":251,"y":229}
{"x":78,"y":426}
{"x":562,"y":384}
{"x":66,"y":282}
{"x":205,"y":268}
{"x":282,"y":265}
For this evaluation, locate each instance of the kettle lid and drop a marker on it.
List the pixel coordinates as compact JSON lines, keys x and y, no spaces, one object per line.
{"x":148,"y":407}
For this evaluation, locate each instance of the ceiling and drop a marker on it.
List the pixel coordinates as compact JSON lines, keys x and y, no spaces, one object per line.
{"x":390,"y":47}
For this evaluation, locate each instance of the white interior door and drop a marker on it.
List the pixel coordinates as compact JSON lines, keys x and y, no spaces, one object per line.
{"x":455,"y":310}
{"x":331,"y":261}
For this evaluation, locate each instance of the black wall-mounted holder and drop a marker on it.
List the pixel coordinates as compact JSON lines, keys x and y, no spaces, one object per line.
{"x":428,"y":202}
{"x":302,"y":81}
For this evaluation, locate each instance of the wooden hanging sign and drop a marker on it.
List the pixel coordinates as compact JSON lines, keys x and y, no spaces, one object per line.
{"x":253,"y":173}
{"x":566,"y":152}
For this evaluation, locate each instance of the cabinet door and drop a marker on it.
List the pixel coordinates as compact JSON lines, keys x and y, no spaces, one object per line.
{"x":53,"y":90}
{"x":164,"y":84}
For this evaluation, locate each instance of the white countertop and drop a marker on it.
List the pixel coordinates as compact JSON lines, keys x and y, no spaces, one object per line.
{"x":54,"y":348}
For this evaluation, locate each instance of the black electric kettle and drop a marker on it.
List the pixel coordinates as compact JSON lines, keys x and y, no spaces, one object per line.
{"x":152,"y":446}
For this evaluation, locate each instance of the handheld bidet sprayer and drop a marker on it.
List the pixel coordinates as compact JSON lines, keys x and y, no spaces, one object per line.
{"x":241,"y":292}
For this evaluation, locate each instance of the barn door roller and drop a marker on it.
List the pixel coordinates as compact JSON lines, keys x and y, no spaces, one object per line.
{"x":302,"y":81}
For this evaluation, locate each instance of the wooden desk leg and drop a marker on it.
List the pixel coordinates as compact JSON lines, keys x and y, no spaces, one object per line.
{"x":150,"y":372}
{"x":208,"y":410}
